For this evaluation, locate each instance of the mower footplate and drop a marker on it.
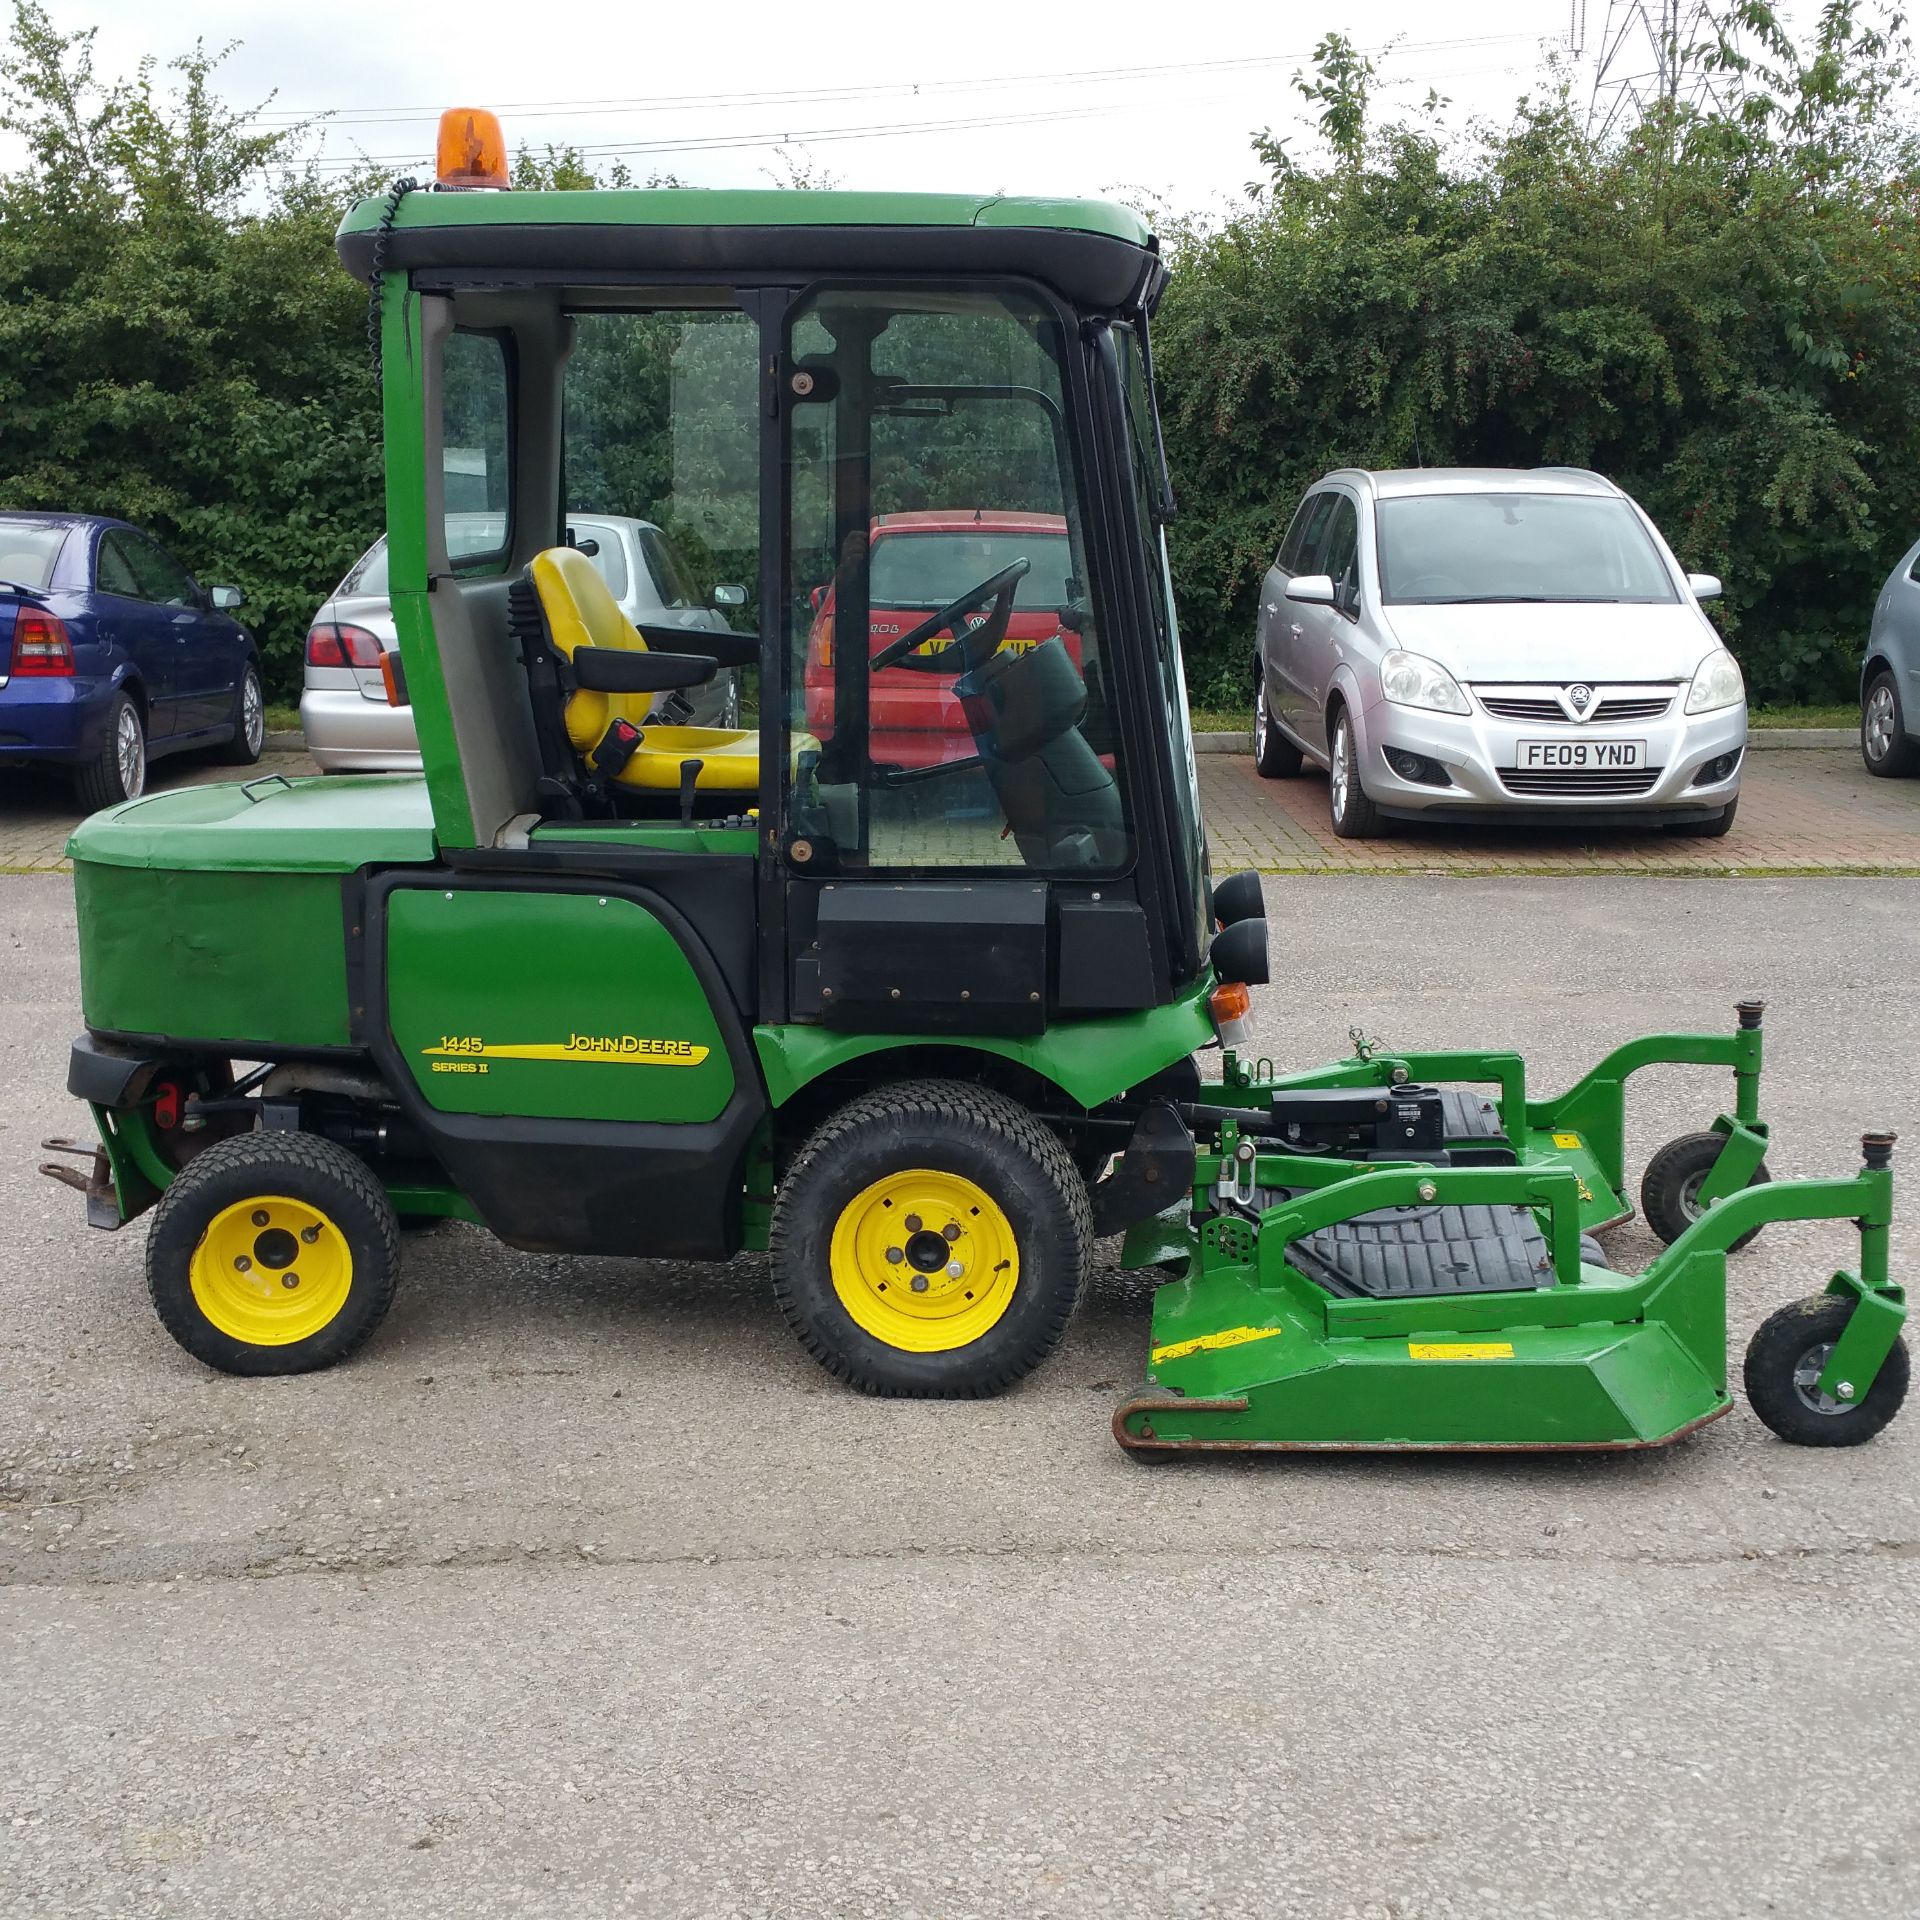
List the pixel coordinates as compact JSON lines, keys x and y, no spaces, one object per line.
{"x":1399,"y":1253}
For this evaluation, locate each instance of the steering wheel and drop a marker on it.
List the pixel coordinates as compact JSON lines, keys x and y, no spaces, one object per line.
{"x":973,"y":646}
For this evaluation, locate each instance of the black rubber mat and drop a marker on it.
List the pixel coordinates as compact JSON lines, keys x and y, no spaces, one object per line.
{"x":1398,"y":1253}
{"x":1467,"y":1115}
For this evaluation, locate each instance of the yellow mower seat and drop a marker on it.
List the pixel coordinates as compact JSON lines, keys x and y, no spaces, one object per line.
{"x":580,"y":611}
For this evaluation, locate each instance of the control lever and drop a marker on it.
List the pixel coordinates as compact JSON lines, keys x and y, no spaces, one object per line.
{"x":689,"y":777}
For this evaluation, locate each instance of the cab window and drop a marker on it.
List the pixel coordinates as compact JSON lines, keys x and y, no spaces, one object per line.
{"x":476,"y":450}
{"x":948,"y":688}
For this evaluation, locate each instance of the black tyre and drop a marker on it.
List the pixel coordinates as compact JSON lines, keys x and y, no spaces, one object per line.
{"x":249,"y":721}
{"x":1889,"y":750}
{"x":1355,"y":817}
{"x":273,"y":1253}
{"x":1273,"y":753}
{"x":1670,"y":1187}
{"x":1785,"y":1359}
{"x":119,"y":770}
{"x":1715,"y":829}
{"x":931,"y":1239}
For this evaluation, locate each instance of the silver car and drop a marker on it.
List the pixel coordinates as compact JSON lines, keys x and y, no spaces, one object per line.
{"x":344,"y":714}
{"x":1460,"y":644}
{"x":1890,"y":675}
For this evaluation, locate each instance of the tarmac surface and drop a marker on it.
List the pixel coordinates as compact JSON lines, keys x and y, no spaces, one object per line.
{"x":582,"y":1592}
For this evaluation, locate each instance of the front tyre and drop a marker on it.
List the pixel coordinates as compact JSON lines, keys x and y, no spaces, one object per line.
{"x":1273,"y":753}
{"x":1670,"y":1187}
{"x":249,"y":721}
{"x":119,"y":770}
{"x":931,"y":1240}
{"x":1785,"y":1359}
{"x":1355,"y":817}
{"x":1885,"y":745}
{"x":273,"y":1253}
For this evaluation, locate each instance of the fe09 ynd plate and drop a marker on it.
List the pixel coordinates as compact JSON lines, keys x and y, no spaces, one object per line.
{"x":1581,"y":756}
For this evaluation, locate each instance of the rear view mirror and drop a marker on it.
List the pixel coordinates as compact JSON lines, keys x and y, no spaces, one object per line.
{"x":730,"y":598}
{"x":1704,"y":586}
{"x":1311,"y":589}
{"x":225,"y":599}
{"x":816,"y":597}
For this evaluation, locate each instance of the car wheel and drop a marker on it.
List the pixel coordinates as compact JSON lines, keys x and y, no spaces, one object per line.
{"x":1355,"y":817}
{"x":1273,"y":753}
{"x":249,"y":721}
{"x":119,"y":770}
{"x":1715,"y":829}
{"x":1885,"y":745}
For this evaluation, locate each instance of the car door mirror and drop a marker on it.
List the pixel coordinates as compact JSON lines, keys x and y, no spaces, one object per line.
{"x":225,"y":599}
{"x":1704,"y":586}
{"x":1311,"y":589}
{"x":729,"y":598}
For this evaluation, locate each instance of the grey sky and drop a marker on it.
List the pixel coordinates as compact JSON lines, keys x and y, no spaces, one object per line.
{"x":1040,"y":99}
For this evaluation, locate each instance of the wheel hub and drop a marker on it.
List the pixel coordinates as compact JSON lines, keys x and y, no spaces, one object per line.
{"x":1806,"y":1382}
{"x":271,"y":1270}
{"x":924,"y":1260}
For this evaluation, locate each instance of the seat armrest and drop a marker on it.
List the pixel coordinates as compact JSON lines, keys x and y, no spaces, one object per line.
{"x":729,"y":649}
{"x":627,"y":670}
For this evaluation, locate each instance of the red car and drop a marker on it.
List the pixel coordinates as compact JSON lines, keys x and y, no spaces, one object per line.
{"x":918,"y":563}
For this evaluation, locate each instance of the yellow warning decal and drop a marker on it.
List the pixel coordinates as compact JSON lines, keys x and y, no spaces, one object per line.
{"x":1460,"y":1349}
{"x":623,"y":1049}
{"x":1566,"y":1139}
{"x":1207,"y":1342}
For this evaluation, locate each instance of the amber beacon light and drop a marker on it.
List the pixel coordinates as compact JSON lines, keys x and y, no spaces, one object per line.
{"x":472,"y":150}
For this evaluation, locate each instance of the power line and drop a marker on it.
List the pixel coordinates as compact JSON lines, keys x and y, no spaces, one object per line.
{"x":1091,"y":76}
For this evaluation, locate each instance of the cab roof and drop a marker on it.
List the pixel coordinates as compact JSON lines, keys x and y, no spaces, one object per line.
{"x":1096,"y":253}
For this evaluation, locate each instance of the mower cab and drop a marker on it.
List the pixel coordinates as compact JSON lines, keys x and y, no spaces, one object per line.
{"x":901,"y":980}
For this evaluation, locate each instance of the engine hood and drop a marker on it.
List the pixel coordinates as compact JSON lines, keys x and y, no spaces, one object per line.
{"x":1557,"y":643}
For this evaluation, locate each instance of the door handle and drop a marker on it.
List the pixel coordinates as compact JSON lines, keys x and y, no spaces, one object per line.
{"x":1296,"y":630}
{"x":1273,"y":606}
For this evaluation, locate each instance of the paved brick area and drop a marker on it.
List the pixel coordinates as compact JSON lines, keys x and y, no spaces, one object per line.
{"x":1799,"y":812}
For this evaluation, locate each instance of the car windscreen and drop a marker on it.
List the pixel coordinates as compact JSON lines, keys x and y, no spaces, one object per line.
{"x":1452,"y":549}
{"x":933,"y":569}
{"x":27,"y":552}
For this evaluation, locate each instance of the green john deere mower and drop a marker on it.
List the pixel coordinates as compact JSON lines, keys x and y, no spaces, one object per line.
{"x":904,"y":982}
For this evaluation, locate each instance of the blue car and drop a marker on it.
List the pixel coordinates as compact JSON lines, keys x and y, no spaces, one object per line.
{"x":111,"y":654}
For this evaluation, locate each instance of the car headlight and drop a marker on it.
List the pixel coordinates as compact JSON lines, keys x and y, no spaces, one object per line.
{"x":1410,"y":680}
{"x":1716,"y":683}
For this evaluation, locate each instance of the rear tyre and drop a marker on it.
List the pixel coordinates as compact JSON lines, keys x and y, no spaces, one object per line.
{"x":1885,"y":744}
{"x":931,"y":1240}
{"x":1785,"y":1359}
{"x":1355,"y":817}
{"x":273,"y":1253}
{"x":249,"y":721}
{"x":1273,"y":753}
{"x":1670,"y":1187}
{"x":119,"y":770}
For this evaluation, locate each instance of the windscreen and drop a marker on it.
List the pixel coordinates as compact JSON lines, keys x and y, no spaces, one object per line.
{"x":912,"y":569}
{"x":1455,"y":549}
{"x":27,"y":553}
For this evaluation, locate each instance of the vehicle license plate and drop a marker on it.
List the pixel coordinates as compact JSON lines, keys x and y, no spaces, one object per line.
{"x":1575,"y":756}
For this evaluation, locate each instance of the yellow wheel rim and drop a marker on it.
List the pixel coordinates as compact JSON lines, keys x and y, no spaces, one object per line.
{"x":270,"y":1271}
{"x":924,"y":1261}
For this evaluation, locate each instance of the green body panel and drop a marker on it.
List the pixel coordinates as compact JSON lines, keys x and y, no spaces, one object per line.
{"x":268,"y":825}
{"x":670,"y":836}
{"x":212,"y":956}
{"x":1088,"y":1060}
{"x":749,"y":207}
{"x":550,"y":1006}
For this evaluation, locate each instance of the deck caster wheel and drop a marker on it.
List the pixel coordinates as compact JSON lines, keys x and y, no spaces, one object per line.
{"x":1785,"y":1359}
{"x":273,"y":1253}
{"x":931,"y":1240}
{"x":1670,"y":1187}
{"x":1150,"y":1456}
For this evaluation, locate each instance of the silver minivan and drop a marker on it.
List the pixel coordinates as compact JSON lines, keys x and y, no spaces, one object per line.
{"x":1479,"y":644}
{"x":344,"y":714}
